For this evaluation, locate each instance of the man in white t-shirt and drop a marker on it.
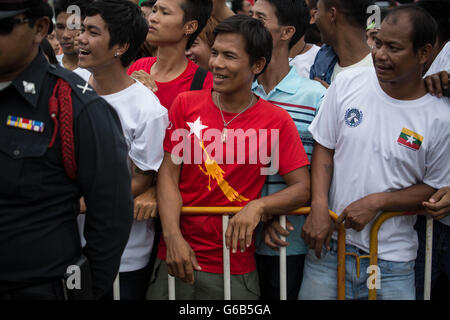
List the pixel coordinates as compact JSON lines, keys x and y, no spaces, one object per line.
{"x":381,"y":145}
{"x":108,"y":43}
{"x":342,"y":25}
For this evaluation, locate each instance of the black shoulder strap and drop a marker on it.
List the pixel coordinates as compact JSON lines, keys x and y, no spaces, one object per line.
{"x":199,"y":78}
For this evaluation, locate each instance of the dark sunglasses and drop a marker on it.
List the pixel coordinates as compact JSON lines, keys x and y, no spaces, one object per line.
{"x":7,"y":24}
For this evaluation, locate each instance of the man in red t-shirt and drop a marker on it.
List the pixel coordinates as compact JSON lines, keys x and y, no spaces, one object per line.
{"x":219,"y":148}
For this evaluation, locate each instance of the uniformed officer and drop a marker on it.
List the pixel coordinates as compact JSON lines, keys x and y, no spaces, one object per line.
{"x":47,"y":163}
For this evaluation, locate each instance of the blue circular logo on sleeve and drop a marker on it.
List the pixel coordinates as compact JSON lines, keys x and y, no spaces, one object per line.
{"x":353,"y":117}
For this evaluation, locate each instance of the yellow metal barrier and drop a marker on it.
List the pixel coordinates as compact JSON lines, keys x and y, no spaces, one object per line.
{"x":373,"y":256}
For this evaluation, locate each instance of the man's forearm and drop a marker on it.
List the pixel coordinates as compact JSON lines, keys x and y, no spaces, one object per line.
{"x":291,"y":198}
{"x":408,"y":199}
{"x":169,"y":199}
{"x":321,"y":174}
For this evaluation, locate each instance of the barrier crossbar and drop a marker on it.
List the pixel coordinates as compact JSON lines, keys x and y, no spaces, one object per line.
{"x":373,"y":256}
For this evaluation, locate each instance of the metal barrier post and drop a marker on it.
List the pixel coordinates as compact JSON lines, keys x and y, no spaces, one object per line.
{"x":171,"y":284}
{"x":116,"y":288}
{"x":428,"y":259}
{"x":226,"y":262}
{"x":283,"y":280}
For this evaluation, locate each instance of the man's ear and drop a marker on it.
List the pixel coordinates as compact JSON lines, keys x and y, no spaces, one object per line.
{"x":122,"y":48}
{"x":424,"y":53}
{"x":287,"y":33}
{"x":40,"y":29}
{"x":258,"y":66}
{"x":312,"y":13}
{"x":332,"y":14}
{"x":190,"y":27}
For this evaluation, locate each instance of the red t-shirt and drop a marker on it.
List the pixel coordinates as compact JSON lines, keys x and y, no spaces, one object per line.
{"x":233,"y":176}
{"x":167,"y":91}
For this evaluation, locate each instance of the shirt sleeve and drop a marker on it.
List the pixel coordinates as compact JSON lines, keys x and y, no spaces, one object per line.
{"x":175,"y":132}
{"x":291,"y":151}
{"x":437,"y":164}
{"x":105,"y":183}
{"x":146,"y":150}
{"x":324,"y":126}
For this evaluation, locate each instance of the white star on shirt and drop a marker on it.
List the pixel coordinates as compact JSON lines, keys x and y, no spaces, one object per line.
{"x":196,"y":127}
{"x":410,"y":140}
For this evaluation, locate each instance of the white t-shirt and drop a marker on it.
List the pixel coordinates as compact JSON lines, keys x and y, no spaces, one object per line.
{"x":83,"y":73}
{"x":59,"y":58}
{"x":303,"y":62}
{"x":366,"y":62}
{"x":441,"y":62}
{"x":144,"y":121}
{"x":365,"y":126}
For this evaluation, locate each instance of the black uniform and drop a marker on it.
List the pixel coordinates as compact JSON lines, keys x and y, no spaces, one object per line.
{"x":39,"y":203}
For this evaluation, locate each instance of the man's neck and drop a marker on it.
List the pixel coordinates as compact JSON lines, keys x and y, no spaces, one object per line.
{"x":235,"y":102}
{"x":220,"y":10}
{"x":350,"y":46}
{"x":277,"y":69}
{"x":170,"y":63}
{"x":410,"y":88}
{"x":110,"y":79}
{"x":300,"y":47}
{"x":12,"y":75}
{"x":70,"y":61}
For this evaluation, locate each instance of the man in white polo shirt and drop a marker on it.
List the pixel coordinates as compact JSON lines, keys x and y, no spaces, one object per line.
{"x":381,"y":145}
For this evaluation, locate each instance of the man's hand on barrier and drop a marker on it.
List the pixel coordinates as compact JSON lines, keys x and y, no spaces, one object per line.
{"x":180,"y":259}
{"x":318,"y":228}
{"x":272,"y":232}
{"x":437,"y":84}
{"x":145,"y":206}
{"x":438,"y":206}
{"x":241,"y":226}
{"x":359,"y":213}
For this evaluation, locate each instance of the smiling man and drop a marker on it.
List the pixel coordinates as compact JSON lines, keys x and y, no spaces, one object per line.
{"x":226,"y":122}
{"x":112,"y":34}
{"x":68,"y":16}
{"x":381,"y":145}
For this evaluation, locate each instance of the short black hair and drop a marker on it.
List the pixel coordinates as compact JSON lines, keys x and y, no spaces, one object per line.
{"x":125,"y":23}
{"x":440,"y":11}
{"x":62,"y":5}
{"x":148,"y":3}
{"x":354,"y":10}
{"x":258,"y":41}
{"x":199,"y":10}
{"x":237,"y":5}
{"x":312,"y":4}
{"x":424,"y":27}
{"x":292,"y":13}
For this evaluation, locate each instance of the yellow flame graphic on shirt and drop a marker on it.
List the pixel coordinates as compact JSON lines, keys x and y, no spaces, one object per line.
{"x":212,"y":169}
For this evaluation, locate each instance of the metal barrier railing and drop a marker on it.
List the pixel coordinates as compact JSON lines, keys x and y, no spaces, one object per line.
{"x":373,"y":256}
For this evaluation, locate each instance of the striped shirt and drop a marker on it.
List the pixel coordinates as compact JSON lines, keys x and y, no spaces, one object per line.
{"x":301,"y":98}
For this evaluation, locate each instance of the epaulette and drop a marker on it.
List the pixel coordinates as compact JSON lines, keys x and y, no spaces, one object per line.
{"x":80,"y":87}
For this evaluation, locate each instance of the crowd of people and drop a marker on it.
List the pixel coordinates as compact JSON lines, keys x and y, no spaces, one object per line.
{"x":115,"y":114}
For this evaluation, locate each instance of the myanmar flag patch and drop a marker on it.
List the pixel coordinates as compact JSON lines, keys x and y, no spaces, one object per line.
{"x":410,"y":139}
